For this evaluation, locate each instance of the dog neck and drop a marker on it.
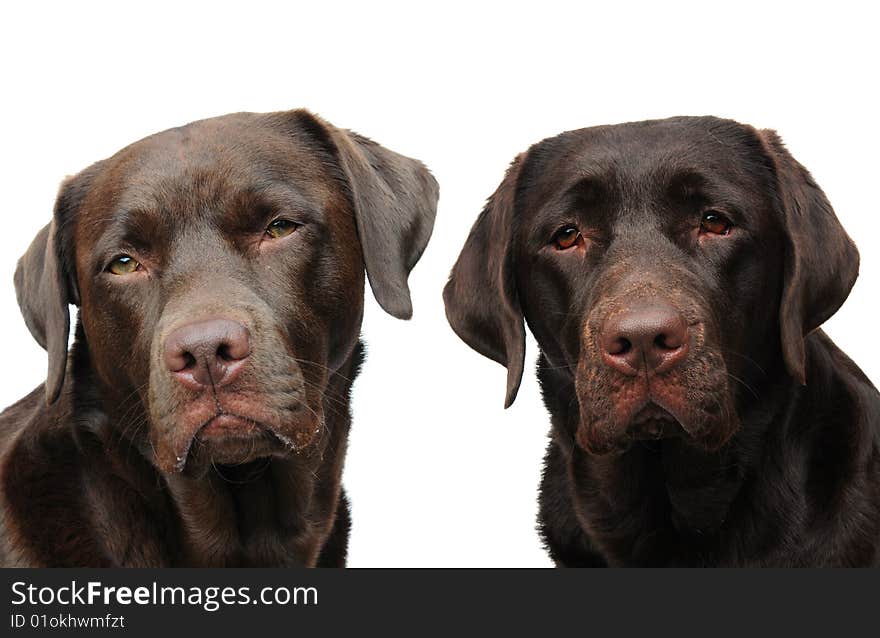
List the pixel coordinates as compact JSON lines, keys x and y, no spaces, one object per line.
{"x":254,"y":514}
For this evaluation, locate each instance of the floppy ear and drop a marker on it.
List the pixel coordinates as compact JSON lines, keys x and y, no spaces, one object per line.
{"x":395,"y":202}
{"x":821,"y":261}
{"x":44,"y":285}
{"x":482,"y":304}
{"x":42,"y":293}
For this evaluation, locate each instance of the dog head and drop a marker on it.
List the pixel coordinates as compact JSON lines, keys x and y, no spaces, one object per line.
{"x":664,"y":267}
{"x":219,"y":270}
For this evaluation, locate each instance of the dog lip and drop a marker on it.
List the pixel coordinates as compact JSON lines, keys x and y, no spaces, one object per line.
{"x":225,"y":423}
{"x":229,"y":425}
{"x":654,"y":422}
{"x":651,"y":411}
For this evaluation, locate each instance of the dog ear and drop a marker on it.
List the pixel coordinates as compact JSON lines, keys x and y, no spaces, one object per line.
{"x":41,"y":290}
{"x":482,"y":304}
{"x":395,"y":202}
{"x":821,"y":261}
{"x":45,"y":285}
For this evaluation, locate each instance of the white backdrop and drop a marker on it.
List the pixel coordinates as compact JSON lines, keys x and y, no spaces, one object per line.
{"x":438,"y":473}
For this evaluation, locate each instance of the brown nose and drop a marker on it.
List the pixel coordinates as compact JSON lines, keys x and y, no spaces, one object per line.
{"x":210,"y":352}
{"x":653,"y":337}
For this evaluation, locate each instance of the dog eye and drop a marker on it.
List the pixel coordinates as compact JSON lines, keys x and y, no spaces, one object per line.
{"x":280,"y":228}
{"x":567,"y":237}
{"x":123,"y":265}
{"x":715,"y":223}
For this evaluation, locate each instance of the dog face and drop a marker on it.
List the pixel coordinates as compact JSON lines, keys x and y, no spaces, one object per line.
{"x":219,"y":272}
{"x":662,"y":266}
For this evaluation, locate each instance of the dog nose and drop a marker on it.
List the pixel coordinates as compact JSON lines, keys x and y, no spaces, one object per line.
{"x":210,"y":352}
{"x":652,"y":337}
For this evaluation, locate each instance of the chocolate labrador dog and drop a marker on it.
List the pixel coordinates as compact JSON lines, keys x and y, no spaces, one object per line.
{"x":202,"y":415}
{"x":675,"y":274}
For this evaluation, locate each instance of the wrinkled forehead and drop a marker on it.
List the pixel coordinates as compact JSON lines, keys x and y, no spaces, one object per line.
{"x":646,"y":160}
{"x":211,"y":171}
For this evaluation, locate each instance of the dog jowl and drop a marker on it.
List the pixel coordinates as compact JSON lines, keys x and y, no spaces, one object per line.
{"x":219,"y":273}
{"x":674,"y":274}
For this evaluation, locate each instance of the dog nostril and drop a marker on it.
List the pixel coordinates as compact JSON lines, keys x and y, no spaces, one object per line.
{"x":234,"y":349}
{"x":189,"y":361}
{"x":620,"y":346}
{"x":673,"y":341}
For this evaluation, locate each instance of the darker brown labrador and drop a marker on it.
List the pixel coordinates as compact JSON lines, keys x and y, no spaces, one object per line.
{"x":675,"y":274}
{"x":202,"y":415}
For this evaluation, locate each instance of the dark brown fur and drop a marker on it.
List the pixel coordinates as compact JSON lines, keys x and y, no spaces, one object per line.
{"x":113,"y":462}
{"x":767,"y":447}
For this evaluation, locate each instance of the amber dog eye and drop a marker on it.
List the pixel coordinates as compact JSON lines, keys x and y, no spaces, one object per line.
{"x":567,"y":237}
{"x":123,"y":265}
{"x":280,"y":228}
{"x":715,"y":223}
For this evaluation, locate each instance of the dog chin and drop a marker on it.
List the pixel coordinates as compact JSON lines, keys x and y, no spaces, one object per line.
{"x":607,"y":437}
{"x":232,"y":439}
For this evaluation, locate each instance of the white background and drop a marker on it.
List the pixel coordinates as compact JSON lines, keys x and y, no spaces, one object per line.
{"x":438,"y":473}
